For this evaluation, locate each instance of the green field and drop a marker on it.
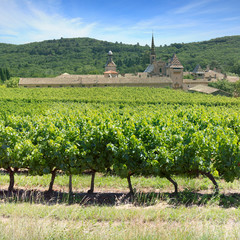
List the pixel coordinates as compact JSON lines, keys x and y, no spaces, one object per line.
{"x":147,"y":134}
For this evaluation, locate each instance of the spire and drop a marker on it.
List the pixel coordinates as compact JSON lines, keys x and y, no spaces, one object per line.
{"x":152,"y":52}
{"x":153,"y":47}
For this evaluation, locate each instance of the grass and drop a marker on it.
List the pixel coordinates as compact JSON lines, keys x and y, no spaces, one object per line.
{"x":27,"y":221}
{"x":154,"y":213}
{"x":81,"y":183}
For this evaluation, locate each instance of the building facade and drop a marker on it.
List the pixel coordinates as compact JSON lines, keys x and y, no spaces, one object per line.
{"x":172,"y":69}
{"x":157,"y":74}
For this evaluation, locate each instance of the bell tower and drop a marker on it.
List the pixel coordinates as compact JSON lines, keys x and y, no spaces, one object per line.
{"x":110,"y":65}
{"x":175,"y":70}
{"x":152,"y":54}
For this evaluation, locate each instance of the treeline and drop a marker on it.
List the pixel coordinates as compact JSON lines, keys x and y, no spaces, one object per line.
{"x":88,"y":56}
{"x":233,"y":88}
{"x":182,"y":141}
{"x":74,"y":56}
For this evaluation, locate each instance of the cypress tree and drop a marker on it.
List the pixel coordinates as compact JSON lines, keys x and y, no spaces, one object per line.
{"x":4,"y":74}
{"x":1,"y":74}
{"x":8,"y":74}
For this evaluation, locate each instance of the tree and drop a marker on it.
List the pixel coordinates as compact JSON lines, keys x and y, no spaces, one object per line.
{"x":224,"y":85}
{"x":4,"y":74}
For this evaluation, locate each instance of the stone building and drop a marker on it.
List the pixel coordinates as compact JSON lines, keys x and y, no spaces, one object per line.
{"x":157,"y":74}
{"x":64,"y":80}
{"x":110,"y":65}
{"x":172,"y":69}
{"x":208,"y":90}
{"x":204,"y":77}
{"x":198,"y":72}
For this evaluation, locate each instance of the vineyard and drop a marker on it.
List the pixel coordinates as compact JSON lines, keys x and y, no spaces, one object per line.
{"x":124,"y":131}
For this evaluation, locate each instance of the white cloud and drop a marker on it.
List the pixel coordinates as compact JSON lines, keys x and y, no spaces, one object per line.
{"x":230,"y":19}
{"x":191,"y":7}
{"x":25,"y":22}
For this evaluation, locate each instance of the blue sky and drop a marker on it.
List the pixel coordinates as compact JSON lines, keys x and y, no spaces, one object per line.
{"x":175,"y":21}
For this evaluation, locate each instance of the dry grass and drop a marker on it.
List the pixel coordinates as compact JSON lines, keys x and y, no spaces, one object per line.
{"x":25,"y":221}
{"x":168,"y":218}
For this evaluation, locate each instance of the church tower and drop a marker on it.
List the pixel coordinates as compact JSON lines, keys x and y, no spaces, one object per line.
{"x":175,"y":71}
{"x":110,"y":65}
{"x":152,"y":54}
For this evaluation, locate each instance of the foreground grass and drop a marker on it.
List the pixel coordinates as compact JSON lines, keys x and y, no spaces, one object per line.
{"x":167,"y":218}
{"x":26,"y":221}
{"x":81,"y":183}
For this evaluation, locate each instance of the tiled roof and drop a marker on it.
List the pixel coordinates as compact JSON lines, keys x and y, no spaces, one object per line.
{"x":175,"y":63}
{"x":111,"y":72}
{"x":198,"y":70}
{"x":203,"y":89}
{"x":110,"y":64}
{"x":79,"y":80}
{"x":62,"y":80}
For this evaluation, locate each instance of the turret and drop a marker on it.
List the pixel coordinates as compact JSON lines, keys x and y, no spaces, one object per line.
{"x":110,"y":65}
{"x":175,"y":70}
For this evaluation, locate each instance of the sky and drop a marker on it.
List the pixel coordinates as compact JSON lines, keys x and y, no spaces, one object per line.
{"x":126,"y":21}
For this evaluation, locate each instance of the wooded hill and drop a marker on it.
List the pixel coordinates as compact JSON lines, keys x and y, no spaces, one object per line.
{"x":88,"y":56}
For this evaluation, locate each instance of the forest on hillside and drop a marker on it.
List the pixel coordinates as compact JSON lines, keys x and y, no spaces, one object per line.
{"x":88,"y":56}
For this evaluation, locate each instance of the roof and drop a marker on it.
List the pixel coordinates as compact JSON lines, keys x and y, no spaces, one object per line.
{"x":204,"y":89}
{"x":233,"y":78}
{"x":97,"y":80}
{"x":175,"y":63}
{"x":198,"y":70}
{"x":61,"y":80}
{"x":111,"y":72}
{"x":149,"y":68}
{"x":110,"y":64}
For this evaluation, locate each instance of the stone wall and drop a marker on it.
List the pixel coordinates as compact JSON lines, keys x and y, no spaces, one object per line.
{"x":137,"y":80}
